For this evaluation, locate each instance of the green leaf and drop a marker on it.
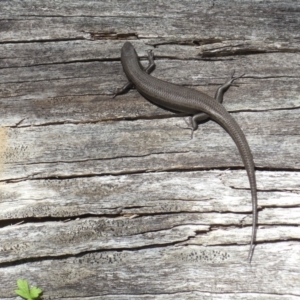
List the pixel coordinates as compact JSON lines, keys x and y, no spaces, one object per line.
{"x":26,"y":292}
{"x":23,"y":291}
{"x":35,"y":292}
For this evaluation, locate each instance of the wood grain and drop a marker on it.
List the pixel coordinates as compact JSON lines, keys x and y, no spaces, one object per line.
{"x":105,"y":198}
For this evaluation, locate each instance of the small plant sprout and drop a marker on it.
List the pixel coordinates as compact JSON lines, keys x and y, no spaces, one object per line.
{"x":26,"y":292}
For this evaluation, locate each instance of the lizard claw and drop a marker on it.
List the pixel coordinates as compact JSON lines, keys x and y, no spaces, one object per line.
{"x":189,"y":126}
{"x":231,"y":79}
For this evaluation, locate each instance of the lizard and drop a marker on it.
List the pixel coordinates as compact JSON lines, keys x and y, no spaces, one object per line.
{"x":196,"y":103}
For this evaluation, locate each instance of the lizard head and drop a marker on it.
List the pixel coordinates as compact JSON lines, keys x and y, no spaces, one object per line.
{"x":128,"y":50}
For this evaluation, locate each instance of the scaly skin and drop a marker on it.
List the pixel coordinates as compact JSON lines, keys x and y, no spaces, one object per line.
{"x":196,"y":103}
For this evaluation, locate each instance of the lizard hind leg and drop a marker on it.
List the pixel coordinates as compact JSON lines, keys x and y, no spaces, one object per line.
{"x":151,"y":65}
{"x":223,"y":88}
{"x":123,"y":89}
{"x":192,"y":122}
{"x":201,"y":117}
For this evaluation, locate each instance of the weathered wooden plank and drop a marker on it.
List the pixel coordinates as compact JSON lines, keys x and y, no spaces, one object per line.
{"x":172,"y":21}
{"x":74,"y":237}
{"x":134,"y":146}
{"x":62,"y":93}
{"x":167,"y":270}
{"x":55,"y":239}
{"x":59,"y":64}
{"x":101,"y":76}
{"x":153,"y":193}
{"x":186,"y":72}
{"x":16,"y":55}
{"x":192,"y":296}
